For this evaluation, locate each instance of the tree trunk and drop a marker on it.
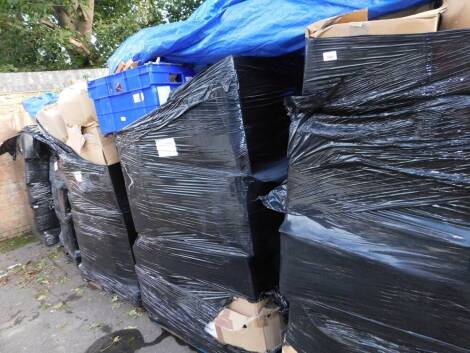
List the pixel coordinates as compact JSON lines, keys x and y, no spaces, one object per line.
{"x":85,"y":14}
{"x":80,"y":21}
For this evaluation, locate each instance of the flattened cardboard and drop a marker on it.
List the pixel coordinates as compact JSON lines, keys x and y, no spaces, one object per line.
{"x":457,"y":15}
{"x":99,"y":149}
{"x":7,"y":129}
{"x":13,"y":123}
{"x":51,"y":120}
{"x":261,"y":332}
{"x":76,"y":107}
{"x":75,"y":139}
{"x":356,"y":24}
{"x":288,"y":349}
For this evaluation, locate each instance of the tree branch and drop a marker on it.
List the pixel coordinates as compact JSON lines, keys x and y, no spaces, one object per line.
{"x":79,"y":45}
{"x":48,"y":24}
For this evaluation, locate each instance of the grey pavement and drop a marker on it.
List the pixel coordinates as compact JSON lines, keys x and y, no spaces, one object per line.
{"x":45,"y":307}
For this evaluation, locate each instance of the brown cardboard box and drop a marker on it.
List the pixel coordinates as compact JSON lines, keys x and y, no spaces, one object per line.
{"x":76,"y":107}
{"x":73,"y":121}
{"x":255,"y":327}
{"x":409,"y":11}
{"x":457,"y":15}
{"x":91,"y":145}
{"x":51,"y":120}
{"x":99,"y":149}
{"x":357,"y":24}
{"x":288,"y":349}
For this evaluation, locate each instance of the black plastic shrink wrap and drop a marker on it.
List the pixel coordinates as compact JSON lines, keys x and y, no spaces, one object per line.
{"x":376,"y":244}
{"x":101,"y":219}
{"x":36,"y":156}
{"x":63,"y":210}
{"x":194,"y":171}
{"x":9,"y":146}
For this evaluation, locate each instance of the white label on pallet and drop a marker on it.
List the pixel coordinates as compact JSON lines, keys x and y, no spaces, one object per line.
{"x":330,"y":56}
{"x":163,"y":93}
{"x":166,"y":147}
{"x":78,"y":176}
{"x":138,"y":97}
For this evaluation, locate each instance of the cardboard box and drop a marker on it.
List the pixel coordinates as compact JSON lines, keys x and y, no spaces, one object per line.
{"x":357,"y":24}
{"x":91,"y":145}
{"x":288,"y":349}
{"x":51,"y":120}
{"x":457,"y":15}
{"x":76,"y":107}
{"x":255,"y":327}
{"x":73,"y":121}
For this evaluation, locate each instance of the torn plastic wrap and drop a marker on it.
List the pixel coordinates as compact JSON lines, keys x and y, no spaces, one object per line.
{"x":63,"y":210}
{"x":101,"y":219}
{"x":376,"y":246}
{"x":194,"y":172}
{"x":36,"y":154}
{"x":9,"y":146}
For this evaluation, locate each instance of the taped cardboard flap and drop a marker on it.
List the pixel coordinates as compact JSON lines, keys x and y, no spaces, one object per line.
{"x":356,"y":23}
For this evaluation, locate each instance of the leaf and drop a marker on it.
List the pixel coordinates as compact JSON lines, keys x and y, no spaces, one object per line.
{"x":59,"y":306}
{"x":133,"y":314}
{"x":115,"y":298}
{"x":41,"y":297}
{"x":95,"y":325}
{"x":79,"y":291}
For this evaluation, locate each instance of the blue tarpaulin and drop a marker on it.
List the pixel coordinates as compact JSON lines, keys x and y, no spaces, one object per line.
{"x":35,"y":104}
{"x":219,"y":28}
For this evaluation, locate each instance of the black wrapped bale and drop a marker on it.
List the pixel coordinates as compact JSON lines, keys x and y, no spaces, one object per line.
{"x":103,"y":225}
{"x":63,"y":210}
{"x":101,"y":219}
{"x":37,"y":154}
{"x":194,"y":171}
{"x":376,"y":246}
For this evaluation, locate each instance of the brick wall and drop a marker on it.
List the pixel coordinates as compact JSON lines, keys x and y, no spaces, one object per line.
{"x":15,"y":213}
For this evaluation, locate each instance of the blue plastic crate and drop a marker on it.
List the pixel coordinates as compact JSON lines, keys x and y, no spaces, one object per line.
{"x":123,"y":98}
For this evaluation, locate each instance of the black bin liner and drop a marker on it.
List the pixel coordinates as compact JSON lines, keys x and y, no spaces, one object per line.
{"x":194,"y":171}
{"x":376,"y":244}
{"x":37,"y":154}
{"x":101,"y":218}
{"x":63,"y":210}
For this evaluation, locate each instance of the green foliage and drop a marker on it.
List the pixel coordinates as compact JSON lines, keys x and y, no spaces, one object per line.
{"x":47,"y":35}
